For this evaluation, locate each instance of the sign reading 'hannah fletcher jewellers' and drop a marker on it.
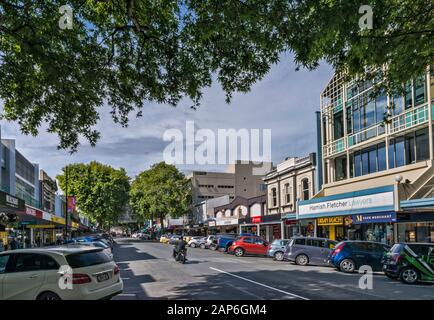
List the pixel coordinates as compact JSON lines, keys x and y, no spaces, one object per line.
{"x":346,"y":205}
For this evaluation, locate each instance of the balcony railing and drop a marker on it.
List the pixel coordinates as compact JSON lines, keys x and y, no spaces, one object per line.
{"x":409,"y":119}
{"x":366,"y":134}
{"x":401,"y":122}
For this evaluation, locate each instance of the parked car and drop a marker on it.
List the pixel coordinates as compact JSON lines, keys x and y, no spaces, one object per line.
{"x":348,"y":256}
{"x":165,"y":238}
{"x":224,"y":241}
{"x":194,"y":242}
{"x":97,"y":244}
{"x":308,"y":250}
{"x":277,"y":249}
{"x":145,"y":236}
{"x":206,"y":242}
{"x":410,"y":262}
{"x":249,"y":245}
{"x":174,"y":239}
{"x":33,"y":274}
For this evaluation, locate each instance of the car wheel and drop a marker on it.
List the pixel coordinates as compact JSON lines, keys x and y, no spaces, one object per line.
{"x":239,"y":252}
{"x":409,"y":275}
{"x":347,"y":266}
{"x":202,"y":246}
{"x":193,"y":245}
{"x":278,"y":256}
{"x":302,"y":260}
{"x":48,"y":296}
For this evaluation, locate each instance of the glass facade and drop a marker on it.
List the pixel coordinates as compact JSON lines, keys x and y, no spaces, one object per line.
{"x":416,"y":232}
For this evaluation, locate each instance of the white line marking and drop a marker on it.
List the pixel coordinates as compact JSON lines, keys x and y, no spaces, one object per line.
{"x":259,"y":284}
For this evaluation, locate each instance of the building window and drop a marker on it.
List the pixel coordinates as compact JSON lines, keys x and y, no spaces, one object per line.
{"x":287,"y":194}
{"x":422,"y":145}
{"x":338,"y":125}
{"x":340,"y":168}
{"x":274,"y":197}
{"x":305,"y":189}
{"x":419,"y":91}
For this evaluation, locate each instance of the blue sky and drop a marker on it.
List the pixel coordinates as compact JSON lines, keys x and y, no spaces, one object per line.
{"x":285,"y":101}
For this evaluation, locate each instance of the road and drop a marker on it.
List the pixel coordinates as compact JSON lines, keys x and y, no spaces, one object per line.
{"x":149,"y":272}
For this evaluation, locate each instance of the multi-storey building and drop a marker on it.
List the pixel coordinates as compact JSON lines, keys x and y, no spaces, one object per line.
{"x":239,"y":180}
{"x":376,"y":162}
{"x":290,"y":181}
{"x":48,"y":187}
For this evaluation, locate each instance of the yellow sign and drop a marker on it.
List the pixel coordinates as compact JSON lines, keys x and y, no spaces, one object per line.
{"x":41,"y":226}
{"x":330,"y":221}
{"x":57,"y":219}
{"x":75,"y":224}
{"x":4,"y":237}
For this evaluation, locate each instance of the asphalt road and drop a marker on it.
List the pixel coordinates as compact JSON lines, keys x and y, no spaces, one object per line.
{"x":149,"y":272}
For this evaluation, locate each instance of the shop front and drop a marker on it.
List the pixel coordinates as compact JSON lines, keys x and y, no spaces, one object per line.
{"x":10,"y":208}
{"x":361,"y":215}
{"x":415,"y":227}
{"x":268,"y":227}
{"x":227,"y":225}
{"x":291,"y":226}
{"x":331,"y":227}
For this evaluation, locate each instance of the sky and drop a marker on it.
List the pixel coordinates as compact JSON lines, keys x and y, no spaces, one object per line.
{"x":284,"y":101}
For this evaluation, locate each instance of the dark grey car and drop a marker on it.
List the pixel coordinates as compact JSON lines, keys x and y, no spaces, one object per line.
{"x":308,"y":250}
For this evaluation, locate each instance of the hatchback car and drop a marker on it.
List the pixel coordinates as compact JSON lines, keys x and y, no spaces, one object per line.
{"x":277,"y":249}
{"x":348,"y":256}
{"x":36,"y":274}
{"x":307,"y":250}
{"x":249,"y":245}
{"x":410,"y":262}
{"x":194,"y":242}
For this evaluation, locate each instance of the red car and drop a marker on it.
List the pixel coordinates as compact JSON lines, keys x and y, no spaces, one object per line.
{"x":249,"y":245}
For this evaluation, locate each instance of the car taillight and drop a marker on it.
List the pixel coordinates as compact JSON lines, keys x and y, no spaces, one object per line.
{"x":116,"y":270}
{"x":337,"y":250}
{"x":78,"y":278}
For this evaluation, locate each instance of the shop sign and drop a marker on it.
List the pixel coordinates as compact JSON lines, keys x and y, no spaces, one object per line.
{"x":227,"y":222}
{"x":75,"y":224}
{"x":11,"y":201}
{"x":176,"y":222}
{"x":374,"y":217}
{"x":384,"y":199}
{"x":71,"y":204}
{"x":41,"y":226}
{"x":290,"y":222}
{"x":330,"y":221}
{"x":59,"y":220}
{"x":31,"y":211}
{"x":25,"y":223}
{"x":211,"y":223}
{"x":256,"y":219}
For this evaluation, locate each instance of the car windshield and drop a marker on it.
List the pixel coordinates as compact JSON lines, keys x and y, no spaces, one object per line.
{"x":86,"y":259}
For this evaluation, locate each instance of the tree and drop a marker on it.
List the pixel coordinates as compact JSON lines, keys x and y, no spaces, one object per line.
{"x":160,"y":191}
{"x":101,"y":191}
{"x":129,"y":52}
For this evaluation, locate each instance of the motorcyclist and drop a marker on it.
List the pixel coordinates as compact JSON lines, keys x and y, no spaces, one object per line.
{"x":180,"y":246}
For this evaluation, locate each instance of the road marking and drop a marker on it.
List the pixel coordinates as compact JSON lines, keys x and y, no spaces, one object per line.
{"x":259,"y":284}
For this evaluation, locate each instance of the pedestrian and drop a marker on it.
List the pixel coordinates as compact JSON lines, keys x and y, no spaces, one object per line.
{"x":14,"y":244}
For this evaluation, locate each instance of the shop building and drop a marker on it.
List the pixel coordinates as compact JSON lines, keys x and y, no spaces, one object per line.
{"x":290,"y":181}
{"x":376,"y":162}
{"x":249,"y":216}
{"x":48,"y":188}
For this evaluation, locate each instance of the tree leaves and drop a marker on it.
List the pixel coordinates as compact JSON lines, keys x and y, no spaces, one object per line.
{"x":162,"y":190}
{"x":100,"y":190}
{"x":128,"y":52}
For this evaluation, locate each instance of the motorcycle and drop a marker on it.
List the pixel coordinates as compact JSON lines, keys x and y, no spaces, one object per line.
{"x":181,"y":256}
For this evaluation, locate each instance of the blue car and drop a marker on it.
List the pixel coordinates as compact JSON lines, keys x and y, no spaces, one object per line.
{"x":348,"y":256}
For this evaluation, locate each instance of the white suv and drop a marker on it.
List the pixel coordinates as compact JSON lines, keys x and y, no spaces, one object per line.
{"x":58,"y":273}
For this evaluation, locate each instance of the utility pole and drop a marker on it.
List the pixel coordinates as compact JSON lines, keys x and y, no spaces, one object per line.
{"x":66,"y":205}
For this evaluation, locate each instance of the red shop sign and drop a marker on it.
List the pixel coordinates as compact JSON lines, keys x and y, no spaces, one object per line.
{"x":290,"y":222}
{"x":256,"y":219}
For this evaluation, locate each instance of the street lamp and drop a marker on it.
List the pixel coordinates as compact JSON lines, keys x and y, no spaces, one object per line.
{"x":66,"y":205}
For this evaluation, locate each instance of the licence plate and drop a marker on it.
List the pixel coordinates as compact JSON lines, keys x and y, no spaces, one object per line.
{"x":103,"y":277}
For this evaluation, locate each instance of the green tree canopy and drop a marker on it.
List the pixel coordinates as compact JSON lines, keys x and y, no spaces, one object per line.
{"x":101,"y":191}
{"x":160,"y":191}
{"x":129,"y":52}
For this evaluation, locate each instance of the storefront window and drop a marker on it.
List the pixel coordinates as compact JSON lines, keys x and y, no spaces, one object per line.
{"x":416,"y":232}
{"x":378,"y":232}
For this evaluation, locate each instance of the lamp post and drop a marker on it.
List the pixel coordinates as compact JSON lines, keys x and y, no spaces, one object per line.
{"x":66,"y":205}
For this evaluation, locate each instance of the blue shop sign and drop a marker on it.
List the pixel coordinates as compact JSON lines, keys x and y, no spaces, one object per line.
{"x":374,"y":217}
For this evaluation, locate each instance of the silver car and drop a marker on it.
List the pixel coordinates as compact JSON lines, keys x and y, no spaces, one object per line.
{"x":307,"y":250}
{"x":277,"y":249}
